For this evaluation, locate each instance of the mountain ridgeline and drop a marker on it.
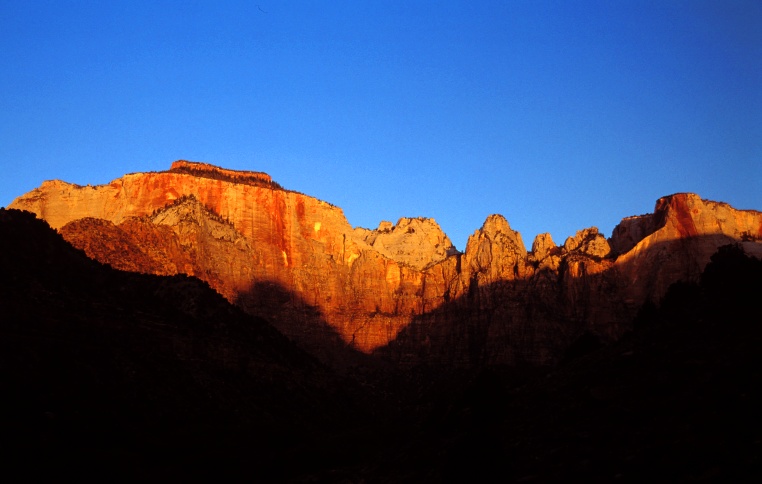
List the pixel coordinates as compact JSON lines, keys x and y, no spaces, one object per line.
{"x":400,"y":292}
{"x":136,"y":341}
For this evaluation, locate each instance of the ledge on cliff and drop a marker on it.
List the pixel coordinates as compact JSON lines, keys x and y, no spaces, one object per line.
{"x":206,"y":170}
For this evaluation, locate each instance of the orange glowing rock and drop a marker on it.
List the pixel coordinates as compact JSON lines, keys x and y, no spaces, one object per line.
{"x":401,"y":290}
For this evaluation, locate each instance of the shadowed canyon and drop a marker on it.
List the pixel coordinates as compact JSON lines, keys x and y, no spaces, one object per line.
{"x":205,"y":322}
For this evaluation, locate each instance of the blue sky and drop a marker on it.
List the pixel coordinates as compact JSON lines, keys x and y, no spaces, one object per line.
{"x":557,"y":115}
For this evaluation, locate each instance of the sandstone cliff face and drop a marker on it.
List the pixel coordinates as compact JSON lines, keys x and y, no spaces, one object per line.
{"x":417,"y":242}
{"x":401,"y":291}
{"x":680,"y":237}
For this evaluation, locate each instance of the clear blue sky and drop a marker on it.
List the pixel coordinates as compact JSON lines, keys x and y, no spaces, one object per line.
{"x":557,"y":115}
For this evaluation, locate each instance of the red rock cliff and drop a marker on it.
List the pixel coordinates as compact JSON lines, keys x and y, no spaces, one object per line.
{"x":400,"y":290}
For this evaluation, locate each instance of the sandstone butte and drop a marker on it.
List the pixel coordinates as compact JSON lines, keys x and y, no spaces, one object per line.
{"x":400,"y":291}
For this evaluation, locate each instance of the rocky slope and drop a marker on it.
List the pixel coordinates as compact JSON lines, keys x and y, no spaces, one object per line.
{"x":400,"y":291}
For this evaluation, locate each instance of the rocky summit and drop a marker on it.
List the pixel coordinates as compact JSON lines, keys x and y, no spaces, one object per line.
{"x":400,"y":292}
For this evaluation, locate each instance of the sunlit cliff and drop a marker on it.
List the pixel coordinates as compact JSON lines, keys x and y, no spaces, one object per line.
{"x":401,"y":290}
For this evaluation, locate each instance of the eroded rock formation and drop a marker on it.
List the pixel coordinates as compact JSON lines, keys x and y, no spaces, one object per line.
{"x":401,"y":290}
